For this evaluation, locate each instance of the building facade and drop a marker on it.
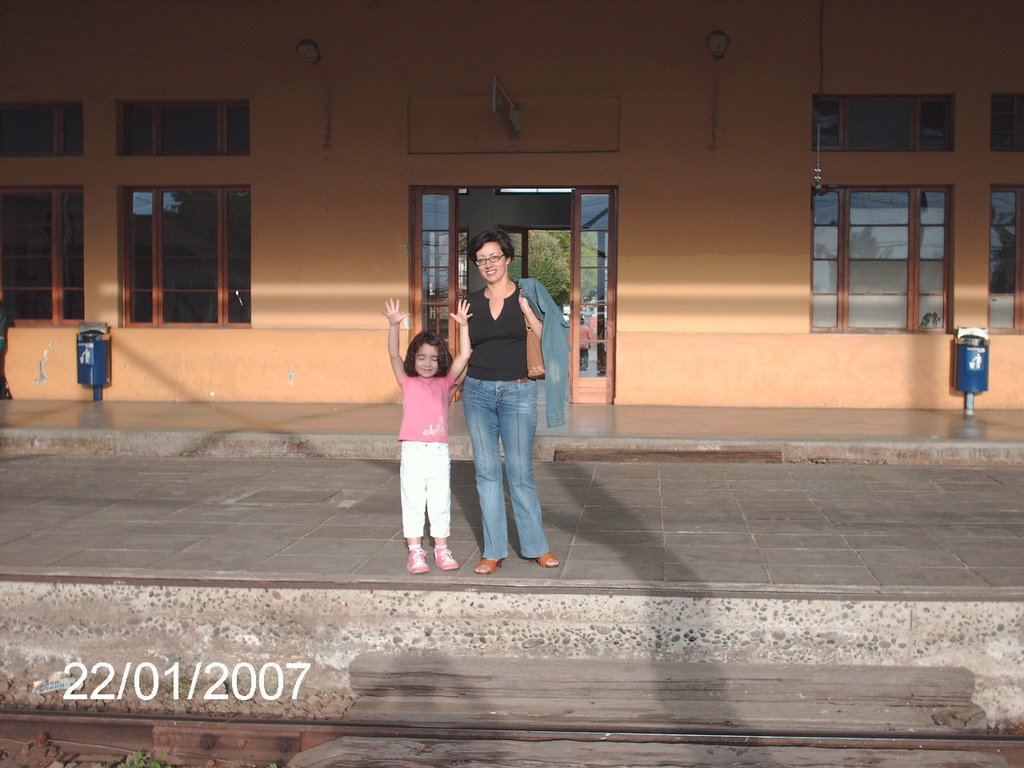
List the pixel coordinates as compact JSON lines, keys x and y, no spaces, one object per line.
{"x":799,"y":211}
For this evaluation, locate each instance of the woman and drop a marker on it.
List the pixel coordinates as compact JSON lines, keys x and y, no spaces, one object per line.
{"x":500,"y":402}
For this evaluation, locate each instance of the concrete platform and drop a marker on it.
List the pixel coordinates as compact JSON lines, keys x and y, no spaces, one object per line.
{"x":336,"y":430}
{"x":192,"y":538}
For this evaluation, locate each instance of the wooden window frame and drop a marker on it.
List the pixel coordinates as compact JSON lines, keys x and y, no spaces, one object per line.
{"x":1018,"y":260}
{"x":1016,"y":116}
{"x":224,"y":292}
{"x":57,"y":145}
{"x":914,"y":226}
{"x":156,"y":128}
{"x":58,"y":288}
{"x":917,"y":101}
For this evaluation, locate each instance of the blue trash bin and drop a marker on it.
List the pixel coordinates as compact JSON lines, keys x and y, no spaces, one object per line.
{"x":94,"y":357}
{"x":971,"y":364}
{"x":972,"y":359}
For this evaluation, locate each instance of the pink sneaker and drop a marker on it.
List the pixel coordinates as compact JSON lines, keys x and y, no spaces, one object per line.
{"x":417,"y":561}
{"x":443,"y":558}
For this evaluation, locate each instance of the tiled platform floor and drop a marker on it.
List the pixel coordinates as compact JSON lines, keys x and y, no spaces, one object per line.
{"x":783,"y":528}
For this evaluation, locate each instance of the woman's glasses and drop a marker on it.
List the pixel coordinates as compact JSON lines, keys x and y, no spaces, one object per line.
{"x":494,"y":258}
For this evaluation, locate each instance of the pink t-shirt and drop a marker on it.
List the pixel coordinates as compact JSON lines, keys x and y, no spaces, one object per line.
{"x":425,"y":408}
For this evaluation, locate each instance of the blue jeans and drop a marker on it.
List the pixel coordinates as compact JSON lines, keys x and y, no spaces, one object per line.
{"x":505,"y":411}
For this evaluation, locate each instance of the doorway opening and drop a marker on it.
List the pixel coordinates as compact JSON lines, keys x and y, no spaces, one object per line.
{"x":565,"y":237}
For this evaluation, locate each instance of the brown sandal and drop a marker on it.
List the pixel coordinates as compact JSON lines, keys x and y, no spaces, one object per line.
{"x":547,"y":560}
{"x":487,"y":566}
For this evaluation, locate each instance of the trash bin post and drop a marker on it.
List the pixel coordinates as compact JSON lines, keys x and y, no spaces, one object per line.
{"x":94,"y":357}
{"x":971,"y":364}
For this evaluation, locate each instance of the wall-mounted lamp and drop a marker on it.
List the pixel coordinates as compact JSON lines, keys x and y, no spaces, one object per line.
{"x":308,"y":50}
{"x":717,"y":43}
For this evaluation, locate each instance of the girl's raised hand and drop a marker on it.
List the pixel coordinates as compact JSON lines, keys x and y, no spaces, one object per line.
{"x":462,"y":316}
{"x":393,"y":313}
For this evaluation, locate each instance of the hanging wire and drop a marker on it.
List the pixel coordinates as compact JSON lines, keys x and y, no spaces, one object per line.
{"x":821,"y":91}
{"x":714,"y":110}
{"x":817,"y":163}
{"x":327,"y":107}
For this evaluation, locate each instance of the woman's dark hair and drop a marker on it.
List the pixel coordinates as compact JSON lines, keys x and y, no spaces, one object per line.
{"x":498,"y":236}
{"x":444,"y":357}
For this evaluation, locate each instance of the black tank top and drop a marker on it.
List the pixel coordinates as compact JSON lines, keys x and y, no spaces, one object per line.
{"x":499,"y":346}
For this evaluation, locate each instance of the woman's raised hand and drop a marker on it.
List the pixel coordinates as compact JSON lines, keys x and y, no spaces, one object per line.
{"x":393,"y":313}
{"x":462,"y":316}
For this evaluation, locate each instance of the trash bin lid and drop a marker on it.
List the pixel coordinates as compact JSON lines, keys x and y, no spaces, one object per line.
{"x":965,"y":331}
{"x":95,"y":327}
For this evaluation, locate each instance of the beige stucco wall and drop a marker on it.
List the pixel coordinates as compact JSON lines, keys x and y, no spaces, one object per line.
{"x":713,"y":281}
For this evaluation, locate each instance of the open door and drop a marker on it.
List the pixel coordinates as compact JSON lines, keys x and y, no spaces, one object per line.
{"x":442,"y":218}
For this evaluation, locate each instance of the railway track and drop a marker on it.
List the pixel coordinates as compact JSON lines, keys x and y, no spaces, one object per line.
{"x":39,"y":739}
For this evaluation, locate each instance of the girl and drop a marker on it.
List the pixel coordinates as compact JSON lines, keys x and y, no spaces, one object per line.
{"x":427,"y":376}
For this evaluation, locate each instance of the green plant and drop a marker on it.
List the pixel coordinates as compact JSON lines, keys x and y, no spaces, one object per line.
{"x":140,"y":760}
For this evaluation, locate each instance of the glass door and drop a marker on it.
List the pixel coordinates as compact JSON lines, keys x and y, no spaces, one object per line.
{"x":438,"y":263}
{"x":592,"y":314}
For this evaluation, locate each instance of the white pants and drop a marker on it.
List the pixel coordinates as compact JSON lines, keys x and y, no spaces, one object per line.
{"x":426,"y":485}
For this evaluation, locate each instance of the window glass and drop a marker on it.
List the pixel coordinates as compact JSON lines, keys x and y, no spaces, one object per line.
{"x":435,"y":212}
{"x":591,"y":250}
{"x":138,"y":129}
{"x":74,"y":140}
{"x":239,"y":257}
{"x":190,"y":224}
{"x":879,"y":207}
{"x":1002,"y":276}
{"x":868,"y":311}
{"x":594,"y":211}
{"x":27,"y":130}
{"x":826,"y":208}
{"x":878,"y":277}
{"x":27,"y":224}
{"x":930,"y":310}
{"x":72,"y":255}
{"x":189,"y":130}
{"x":878,"y":242}
{"x":1000,"y":311}
{"x":879,"y":123}
{"x":238,"y":129}
{"x":1004,"y":261}
{"x":140,"y":237}
{"x":933,"y":207}
{"x":826,"y":242}
{"x":1004,"y":207}
{"x":825,"y":277}
{"x":933,"y":245}
{"x":933,"y":124}
{"x":824,"y":311}
{"x":931,"y":277}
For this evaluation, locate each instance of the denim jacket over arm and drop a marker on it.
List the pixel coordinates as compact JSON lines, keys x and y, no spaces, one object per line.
{"x":554,"y":343}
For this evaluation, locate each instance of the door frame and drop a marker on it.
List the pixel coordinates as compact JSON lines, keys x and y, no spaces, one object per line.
{"x":582,"y":389}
